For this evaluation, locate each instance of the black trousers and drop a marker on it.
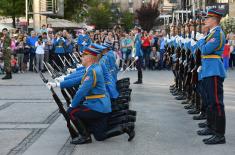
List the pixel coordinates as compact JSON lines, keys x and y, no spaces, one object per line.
{"x":32,"y":61}
{"x":139,"y":64}
{"x":214,"y":95}
{"x":94,"y":121}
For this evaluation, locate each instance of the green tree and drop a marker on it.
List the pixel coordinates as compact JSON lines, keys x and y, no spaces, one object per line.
{"x":12,"y":8}
{"x":228,"y":25}
{"x":127,"y":20}
{"x":100,"y":15}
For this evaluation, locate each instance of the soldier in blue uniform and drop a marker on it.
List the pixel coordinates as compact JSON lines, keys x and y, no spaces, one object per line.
{"x":83,"y":40}
{"x":91,"y":105}
{"x":213,"y":74}
{"x":111,"y":60}
{"x":109,"y":80}
{"x":138,"y":55}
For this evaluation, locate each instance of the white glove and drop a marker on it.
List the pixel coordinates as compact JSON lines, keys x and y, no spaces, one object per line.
{"x":136,"y":58}
{"x":193,"y":42}
{"x":51,"y":85}
{"x":79,"y":65}
{"x":199,"y":69}
{"x":70,"y":70}
{"x":84,"y":43}
{"x":70,"y":105}
{"x":60,"y":79}
{"x":199,"y":36}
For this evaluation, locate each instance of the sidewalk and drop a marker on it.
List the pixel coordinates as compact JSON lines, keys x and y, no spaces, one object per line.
{"x":163,"y":126}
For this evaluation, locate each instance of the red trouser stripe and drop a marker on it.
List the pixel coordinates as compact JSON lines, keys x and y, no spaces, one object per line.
{"x":72,"y":113}
{"x":216,"y":96}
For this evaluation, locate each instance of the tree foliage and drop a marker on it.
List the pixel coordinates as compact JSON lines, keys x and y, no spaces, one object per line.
{"x":228,"y":25}
{"x":127,"y":20}
{"x":12,"y":8}
{"x":147,"y":14}
{"x":100,"y":15}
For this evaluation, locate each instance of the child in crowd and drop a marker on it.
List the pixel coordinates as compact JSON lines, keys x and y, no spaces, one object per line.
{"x":14,"y":64}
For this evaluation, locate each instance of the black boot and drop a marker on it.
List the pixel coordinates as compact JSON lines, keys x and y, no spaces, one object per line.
{"x":200,"y":117}
{"x":216,"y":139}
{"x":138,"y":82}
{"x":81,"y":140}
{"x":193,"y":111}
{"x":121,"y":120}
{"x":205,"y":132}
{"x":202,"y":124}
{"x":121,"y":129}
{"x":7,"y":76}
{"x":140,"y":76}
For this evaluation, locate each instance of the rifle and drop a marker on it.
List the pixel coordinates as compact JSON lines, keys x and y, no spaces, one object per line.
{"x":76,"y":54}
{"x":65,"y":95}
{"x":74,"y":61}
{"x":70,"y":125}
{"x":52,"y":70}
{"x":66,"y":60}
{"x":49,"y":71}
{"x":58,"y":67}
{"x":65,"y":67}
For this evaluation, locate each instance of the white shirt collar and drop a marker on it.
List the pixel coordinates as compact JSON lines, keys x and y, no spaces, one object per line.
{"x":213,"y":28}
{"x":88,"y":68}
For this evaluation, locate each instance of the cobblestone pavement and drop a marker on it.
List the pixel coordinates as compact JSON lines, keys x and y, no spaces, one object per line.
{"x":30,"y":122}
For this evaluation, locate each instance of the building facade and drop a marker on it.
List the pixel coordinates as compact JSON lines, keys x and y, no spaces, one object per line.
{"x":129,"y":5}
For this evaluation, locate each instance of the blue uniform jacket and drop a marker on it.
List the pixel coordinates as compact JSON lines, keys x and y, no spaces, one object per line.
{"x":111,"y":64}
{"x":80,"y":70}
{"x":108,"y":79}
{"x":213,"y":44}
{"x":83,"y":39}
{"x":138,"y":50}
{"x":71,"y":82}
{"x":93,"y":85}
{"x":59,"y":45}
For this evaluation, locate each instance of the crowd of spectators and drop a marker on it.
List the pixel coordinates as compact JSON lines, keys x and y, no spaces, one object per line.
{"x":33,"y":48}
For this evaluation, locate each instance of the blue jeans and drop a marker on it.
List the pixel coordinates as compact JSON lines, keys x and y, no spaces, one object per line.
{"x":162,"y":51}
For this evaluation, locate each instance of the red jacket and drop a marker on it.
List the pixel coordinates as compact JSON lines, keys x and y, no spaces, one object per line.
{"x":226,"y":52}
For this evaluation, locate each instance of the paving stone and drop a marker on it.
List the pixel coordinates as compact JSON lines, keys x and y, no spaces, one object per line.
{"x":27,"y":112}
{"x":11,"y":138}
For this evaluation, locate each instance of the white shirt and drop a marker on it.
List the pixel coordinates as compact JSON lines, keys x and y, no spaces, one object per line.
{"x":40,"y":48}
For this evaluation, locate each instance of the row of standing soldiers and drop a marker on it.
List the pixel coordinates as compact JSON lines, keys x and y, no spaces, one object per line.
{"x":199,"y":72}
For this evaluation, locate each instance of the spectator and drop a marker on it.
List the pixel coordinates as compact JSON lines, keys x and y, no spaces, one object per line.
{"x":14,"y":64}
{"x":31,"y":43}
{"x":226,"y":55}
{"x":40,"y":45}
{"x":20,"y":53}
{"x":47,"y":46}
{"x":43,"y":29}
{"x":146,"y":48}
{"x":154,"y":59}
{"x":126,"y":48}
{"x":232,"y":56}
{"x":26,"y":54}
{"x":161,"y":43}
{"x":1,"y":66}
